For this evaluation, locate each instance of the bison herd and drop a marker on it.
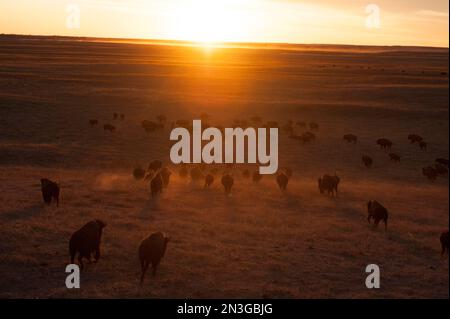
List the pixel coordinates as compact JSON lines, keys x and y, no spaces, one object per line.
{"x":85,"y":242}
{"x":108,"y":126}
{"x":432,"y":172}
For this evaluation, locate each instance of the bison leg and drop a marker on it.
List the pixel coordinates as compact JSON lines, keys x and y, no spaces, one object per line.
{"x":377,"y":221}
{"x":369,"y":218}
{"x":385,"y":223}
{"x":144,"y":267}
{"x":97,"y":253}
{"x":80,"y":261}
{"x":154,"y":266}
{"x":47,"y":199}
{"x":72,"y":257}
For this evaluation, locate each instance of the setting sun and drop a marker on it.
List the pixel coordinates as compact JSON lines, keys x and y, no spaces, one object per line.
{"x":209,"y":21}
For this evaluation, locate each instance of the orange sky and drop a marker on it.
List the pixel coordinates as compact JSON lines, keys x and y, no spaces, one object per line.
{"x":398,"y":22}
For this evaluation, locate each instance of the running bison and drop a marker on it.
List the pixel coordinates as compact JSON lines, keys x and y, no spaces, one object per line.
{"x":50,"y":190}
{"x":151,"y":251}
{"x":227,"y":182}
{"x":377,"y":212}
{"x":209,"y":180}
{"x":367,"y":160}
{"x":138,"y":173}
{"x":313,"y":126}
{"x":109,"y":127}
{"x":86,"y":241}
{"x":441,"y":170}
{"x":414,"y":138}
{"x":350,"y":138}
{"x":394,"y":157}
{"x":282,"y":181}
{"x":423,"y":145}
{"x":329,"y":184}
{"x":442,"y":161}
{"x":384,"y":143}
{"x":430,"y":173}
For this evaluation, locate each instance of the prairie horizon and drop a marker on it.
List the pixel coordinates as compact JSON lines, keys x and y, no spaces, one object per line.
{"x":234,"y":45}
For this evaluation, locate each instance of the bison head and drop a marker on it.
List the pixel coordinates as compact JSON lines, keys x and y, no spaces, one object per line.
{"x":100,"y":223}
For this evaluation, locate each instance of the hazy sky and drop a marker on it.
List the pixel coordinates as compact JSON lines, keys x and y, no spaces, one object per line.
{"x":394,"y":22}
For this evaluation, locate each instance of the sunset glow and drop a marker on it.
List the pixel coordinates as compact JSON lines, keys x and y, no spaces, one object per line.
{"x":211,"y":21}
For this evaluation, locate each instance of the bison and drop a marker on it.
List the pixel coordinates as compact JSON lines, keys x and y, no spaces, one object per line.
{"x":441,"y":170}
{"x":156,"y":185}
{"x":384,"y":143}
{"x":154,"y":165}
{"x":367,"y":160}
{"x":394,"y":157}
{"x":350,"y":138}
{"x":430,"y":173}
{"x":442,"y":161}
{"x":282,"y":181}
{"x":109,"y":127}
{"x":423,"y":145}
{"x":151,"y":251}
{"x":161,"y":118}
{"x":138,"y":173}
{"x":313,"y":126}
{"x":50,"y":190}
{"x":86,"y":241}
{"x":227,"y":182}
{"x":329,"y":184}
{"x":444,"y":242}
{"x":307,"y":137}
{"x":377,"y":212}
{"x":414,"y":138}
{"x":150,"y":126}
{"x":209,"y":180}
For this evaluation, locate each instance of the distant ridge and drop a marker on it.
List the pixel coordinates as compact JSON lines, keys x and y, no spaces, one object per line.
{"x":247,"y":45}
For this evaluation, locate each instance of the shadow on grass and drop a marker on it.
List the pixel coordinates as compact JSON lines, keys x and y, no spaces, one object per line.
{"x":23,"y":213}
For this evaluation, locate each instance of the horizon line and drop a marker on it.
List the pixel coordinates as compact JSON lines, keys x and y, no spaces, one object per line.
{"x":218,"y":44}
